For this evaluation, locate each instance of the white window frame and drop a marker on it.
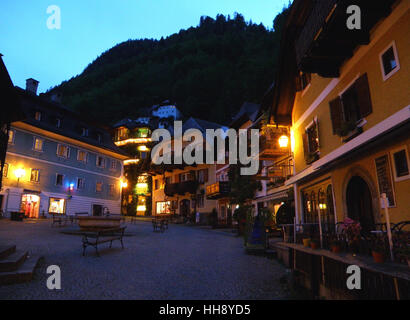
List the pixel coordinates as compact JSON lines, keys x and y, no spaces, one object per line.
{"x":12,"y":138}
{"x":96,"y":162}
{"x":34,"y":144}
{"x":62,"y":183}
{"x":68,"y":151}
{"x":86,"y":156}
{"x":396,"y":56}
{"x":392,"y":152}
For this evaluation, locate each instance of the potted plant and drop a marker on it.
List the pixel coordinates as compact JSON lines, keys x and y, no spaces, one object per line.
{"x":335,"y":245}
{"x":378,"y":248}
{"x":314,"y":244}
{"x":351,"y":230}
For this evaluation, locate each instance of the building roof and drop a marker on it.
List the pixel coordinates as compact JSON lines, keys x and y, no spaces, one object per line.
{"x":248,"y":111}
{"x":71,"y":122}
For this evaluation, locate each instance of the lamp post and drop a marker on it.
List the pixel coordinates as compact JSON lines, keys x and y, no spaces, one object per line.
{"x":19,"y":173}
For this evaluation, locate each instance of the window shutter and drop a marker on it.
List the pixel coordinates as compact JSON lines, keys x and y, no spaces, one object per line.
{"x":363,"y":96}
{"x":305,"y":145}
{"x":336,"y":114}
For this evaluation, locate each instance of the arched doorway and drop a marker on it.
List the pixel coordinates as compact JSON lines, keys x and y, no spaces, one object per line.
{"x":359,"y":203}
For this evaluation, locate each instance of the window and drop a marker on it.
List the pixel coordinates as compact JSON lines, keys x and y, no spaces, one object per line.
{"x":143,"y":155}
{"x":98,"y":187}
{"x":35,"y":175}
{"x":59,"y":179}
{"x":82,"y":156}
{"x":100,"y":162}
{"x":168,"y":180}
{"x":122,"y":134}
{"x":63,"y":151}
{"x":401,"y":164}
{"x":163,"y":207}
{"x":84,"y":132}
{"x":351,"y":106}
{"x":80,"y":183}
{"x":57,"y":206}
{"x":38,"y":144}
{"x":111,"y":189}
{"x":311,"y":142}
{"x":5,"y":170}
{"x":58,"y":122}
{"x":156,"y":184}
{"x":11,"y":137}
{"x":113,"y":164}
{"x":203,"y":176}
{"x":99,"y":137}
{"x":37,"y":115}
{"x":200,"y":200}
{"x":389,"y":61}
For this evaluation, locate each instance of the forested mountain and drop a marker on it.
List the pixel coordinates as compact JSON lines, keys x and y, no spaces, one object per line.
{"x":208,"y":71}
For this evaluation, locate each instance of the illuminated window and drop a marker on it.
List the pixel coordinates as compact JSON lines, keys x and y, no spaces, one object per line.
{"x":38,"y":144}
{"x":98,"y":187}
{"x":37,"y":116}
{"x":163,"y":207}
{"x":11,"y":136}
{"x":63,"y":151}
{"x":35,"y":175}
{"x":5,"y":170}
{"x":82,"y":156}
{"x":57,"y":206}
{"x":59,"y":179}
{"x":100,"y":162}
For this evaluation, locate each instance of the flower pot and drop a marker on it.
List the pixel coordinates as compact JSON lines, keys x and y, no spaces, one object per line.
{"x":378,"y":257}
{"x":306,"y":242}
{"x":336,"y":249}
{"x":314,"y":245}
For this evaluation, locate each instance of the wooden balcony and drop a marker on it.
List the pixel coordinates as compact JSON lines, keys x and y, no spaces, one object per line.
{"x":269,"y":148}
{"x":181,"y":188}
{"x":218,"y":190}
{"x":325,"y":42}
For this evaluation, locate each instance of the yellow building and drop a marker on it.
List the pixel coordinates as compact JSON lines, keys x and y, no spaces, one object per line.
{"x":346,"y":95}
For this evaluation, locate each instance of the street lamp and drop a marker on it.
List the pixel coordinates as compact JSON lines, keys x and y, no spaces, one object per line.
{"x":283,"y":141}
{"x":19,"y":173}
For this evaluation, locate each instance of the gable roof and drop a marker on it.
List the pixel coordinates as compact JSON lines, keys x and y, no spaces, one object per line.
{"x":248,"y":111}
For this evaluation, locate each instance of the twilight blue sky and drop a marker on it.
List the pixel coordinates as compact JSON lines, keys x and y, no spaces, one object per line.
{"x":89,"y":27}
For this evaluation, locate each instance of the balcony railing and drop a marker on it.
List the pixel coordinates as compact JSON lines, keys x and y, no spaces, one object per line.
{"x":181,"y":188}
{"x":269,"y":147}
{"x":218,"y":190}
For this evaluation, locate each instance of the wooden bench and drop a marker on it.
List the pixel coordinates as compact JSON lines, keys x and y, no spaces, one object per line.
{"x":159,"y":225}
{"x":60,"y":219}
{"x":96,"y":237}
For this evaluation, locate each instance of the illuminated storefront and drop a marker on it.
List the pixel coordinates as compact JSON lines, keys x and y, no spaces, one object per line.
{"x":163,"y":207}
{"x":57,"y":206}
{"x":30,"y":204}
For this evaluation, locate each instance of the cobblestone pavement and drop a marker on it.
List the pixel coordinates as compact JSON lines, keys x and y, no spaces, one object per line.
{"x":182,"y":263}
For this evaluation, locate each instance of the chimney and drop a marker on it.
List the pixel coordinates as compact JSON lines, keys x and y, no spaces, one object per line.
{"x":32,"y":85}
{"x":56,"y":97}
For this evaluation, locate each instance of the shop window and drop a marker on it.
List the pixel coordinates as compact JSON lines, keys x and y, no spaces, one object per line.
{"x":82,"y":156}
{"x":98,"y":187}
{"x":353,"y":105}
{"x":389,"y":61}
{"x":35,"y":175}
{"x":30,"y":204}
{"x":63,"y":151}
{"x":59,"y":179}
{"x":401,"y":164}
{"x":11,"y":137}
{"x":57,"y":206}
{"x":38,"y":144}
{"x":163,"y":207}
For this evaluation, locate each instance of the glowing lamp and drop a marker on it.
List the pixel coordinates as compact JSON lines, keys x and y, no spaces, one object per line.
{"x":71,"y":186}
{"x":124,"y":184}
{"x":20,"y":173}
{"x":141,"y":208}
{"x":142,"y":148}
{"x":283,"y":141}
